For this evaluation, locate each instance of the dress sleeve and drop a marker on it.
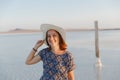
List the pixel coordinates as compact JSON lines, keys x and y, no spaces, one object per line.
{"x":71,"y":64}
{"x":41,"y":53}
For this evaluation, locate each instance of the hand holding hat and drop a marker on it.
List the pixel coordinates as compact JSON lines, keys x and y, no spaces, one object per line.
{"x":38,"y":44}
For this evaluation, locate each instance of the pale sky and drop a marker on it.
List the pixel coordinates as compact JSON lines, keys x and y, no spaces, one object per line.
{"x":30,"y":14}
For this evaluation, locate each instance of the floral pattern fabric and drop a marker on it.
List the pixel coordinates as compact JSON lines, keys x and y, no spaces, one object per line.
{"x":56,"y":67}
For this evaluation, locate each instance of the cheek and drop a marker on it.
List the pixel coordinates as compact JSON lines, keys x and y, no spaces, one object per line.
{"x":48,"y":40}
{"x":57,"y":39}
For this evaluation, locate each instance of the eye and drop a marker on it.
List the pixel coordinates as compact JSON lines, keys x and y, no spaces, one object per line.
{"x":54,"y":35}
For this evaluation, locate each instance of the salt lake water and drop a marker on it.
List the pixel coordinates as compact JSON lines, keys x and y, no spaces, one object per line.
{"x":14,"y":48}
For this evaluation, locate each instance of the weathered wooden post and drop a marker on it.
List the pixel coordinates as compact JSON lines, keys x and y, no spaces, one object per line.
{"x":98,"y":63}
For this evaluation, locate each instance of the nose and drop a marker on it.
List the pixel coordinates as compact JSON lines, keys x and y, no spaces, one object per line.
{"x":51,"y":38}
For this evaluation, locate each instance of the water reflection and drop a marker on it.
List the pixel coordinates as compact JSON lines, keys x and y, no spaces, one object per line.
{"x":98,"y":73}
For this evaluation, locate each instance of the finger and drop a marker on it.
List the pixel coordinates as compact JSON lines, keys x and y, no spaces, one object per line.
{"x":39,"y":41}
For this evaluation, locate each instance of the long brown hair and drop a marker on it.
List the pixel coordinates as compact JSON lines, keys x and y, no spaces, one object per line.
{"x":62,"y":44}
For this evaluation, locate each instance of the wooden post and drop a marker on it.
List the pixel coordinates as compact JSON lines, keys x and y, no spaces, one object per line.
{"x":98,"y":63}
{"x":96,"y":40}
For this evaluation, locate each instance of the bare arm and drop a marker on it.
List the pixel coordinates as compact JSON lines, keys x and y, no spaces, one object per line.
{"x":71,"y":75}
{"x":32,"y":58}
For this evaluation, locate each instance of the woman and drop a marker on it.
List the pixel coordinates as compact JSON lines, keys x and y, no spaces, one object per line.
{"x":58,"y":63}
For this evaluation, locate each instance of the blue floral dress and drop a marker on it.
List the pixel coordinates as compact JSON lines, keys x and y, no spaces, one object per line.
{"x":56,"y":67}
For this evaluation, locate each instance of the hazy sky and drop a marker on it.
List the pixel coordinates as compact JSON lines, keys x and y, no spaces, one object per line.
{"x":30,"y":14}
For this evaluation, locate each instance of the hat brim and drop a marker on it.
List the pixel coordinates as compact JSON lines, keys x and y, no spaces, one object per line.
{"x":45,"y":27}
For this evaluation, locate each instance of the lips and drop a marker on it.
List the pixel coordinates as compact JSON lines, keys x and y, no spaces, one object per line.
{"x":52,"y":41}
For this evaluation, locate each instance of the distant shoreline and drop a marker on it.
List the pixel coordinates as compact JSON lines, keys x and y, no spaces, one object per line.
{"x":20,"y":31}
{"x":37,"y":31}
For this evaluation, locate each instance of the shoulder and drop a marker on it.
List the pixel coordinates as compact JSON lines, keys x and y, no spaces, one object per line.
{"x":43,"y":51}
{"x":69,"y":54}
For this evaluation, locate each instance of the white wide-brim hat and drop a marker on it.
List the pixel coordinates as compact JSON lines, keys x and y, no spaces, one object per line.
{"x":45,"y":27}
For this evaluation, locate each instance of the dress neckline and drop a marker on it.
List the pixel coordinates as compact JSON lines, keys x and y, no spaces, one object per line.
{"x":65,"y":52}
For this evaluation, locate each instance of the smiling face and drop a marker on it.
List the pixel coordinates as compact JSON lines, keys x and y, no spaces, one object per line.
{"x":52,"y":38}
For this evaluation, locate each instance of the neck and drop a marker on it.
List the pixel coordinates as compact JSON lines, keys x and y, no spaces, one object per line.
{"x":55,"y":48}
